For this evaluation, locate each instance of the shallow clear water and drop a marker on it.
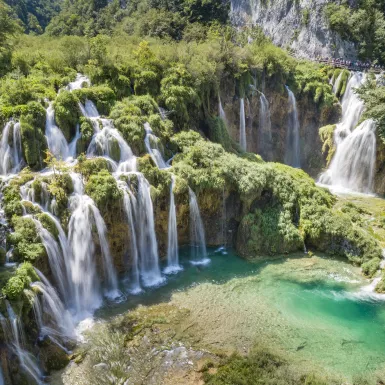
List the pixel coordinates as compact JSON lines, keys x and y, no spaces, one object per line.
{"x":314,"y":309}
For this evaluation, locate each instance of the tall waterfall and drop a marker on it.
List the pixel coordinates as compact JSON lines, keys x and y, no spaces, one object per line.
{"x":265,"y":138}
{"x":242,"y":125}
{"x":221,"y":111}
{"x":352,"y":166}
{"x":10,"y":156}
{"x":172,"y":247}
{"x":130,"y":205}
{"x":292,"y":154}
{"x":57,"y":143}
{"x":148,"y":246}
{"x":153,"y":148}
{"x":197,"y":232}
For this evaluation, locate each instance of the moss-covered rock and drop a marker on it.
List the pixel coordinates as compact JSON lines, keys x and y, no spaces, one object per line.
{"x":67,"y":113}
{"x":32,"y":127}
{"x":327,"y":136}
{"x":24,"y":276}
{"x":103,"y":97}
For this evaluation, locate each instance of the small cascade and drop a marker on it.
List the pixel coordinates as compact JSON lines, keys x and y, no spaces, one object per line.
{"x":152,"y":145}
{"x":26,"y":359}
{"x":10,"y":156}
{"x":56,"y":259}
{"x":57,"y":143}
{"x":265,"y":138}
{"x":337,"y":83}
{"x":89,"y":109}
{"x":292,"y":154}
{"x":172,"y":247}
{"x":221,"y":111}
{"x":147,"y":244}
{"x":352,"y":166}
{"x":197,"y":232}
{"x":242,"y":125}
{"x":78,"y":83}
{"x":129,"y":205}
{"x":53,"y":306}
{"x":72,"y":147}
{"x":109,"y":143}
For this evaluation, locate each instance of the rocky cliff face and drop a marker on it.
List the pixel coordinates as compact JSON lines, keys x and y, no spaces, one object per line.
{"x":299,"y":25}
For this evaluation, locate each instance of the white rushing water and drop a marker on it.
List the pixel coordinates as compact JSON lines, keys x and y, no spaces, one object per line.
{"x":221,"y":111}
{"x":57,"y":143}
{"x":16,"y":340}
{"x":52,"y":305}
{"x":337,"y":82}
{"x":147,"y":244}
{"x":172,"y":246}
{"x":353,"y":164}
{"x":292,"y":153}
{"x":265,"y":137}
{"x":153,"y":147}
{"x":197,"y":232}
{"x":79,"y":82}
{"x":242,"y":125}
{"x":10,"y":156}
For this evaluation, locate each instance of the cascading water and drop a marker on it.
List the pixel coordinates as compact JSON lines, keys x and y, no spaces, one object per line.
{"x":265,"y":138}
{"x":148,"y":246}
{"x":152,"y":146}
{"x":197,"y":232}
{"x":129,"y":205}
{"x":53,"y":306}
{"x":242,"y":125}
{"x":172,"y":248}
{"x":337,"y":82}
{"x":78,"y":83}
{"x":221,"y":111}
{"x":352,"y":166}
{"x":292,"y":154}
{"x":57,"y":143}
{"x":16,"y":337}
{"x":10,"y":156}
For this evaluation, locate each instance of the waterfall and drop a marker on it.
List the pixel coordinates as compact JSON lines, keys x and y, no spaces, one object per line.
{"x":111,"y":277}
{"x":57,"y":143}
{"x":353,"y":163}
{"x":152,"y":145}
{"x":104,"y":143}
{"x":56,"y":259}
{"x":10,"y":156}
{"x":129,"y":205}
{"x":148,"y":246}
{"x":265,"y":138}
{"x":78,"y":83}
{"x":242,"y":125}
{"x":292,"y":154}
{"x":89,"y":109}
{"x":197,"y":232}
{"x":53,"y":306}
{"x":337,"y":83}
{"x":221,"y":111}
{"x":26,"y":359}
{"x":172,"y":247}
{"x":72,"y":147}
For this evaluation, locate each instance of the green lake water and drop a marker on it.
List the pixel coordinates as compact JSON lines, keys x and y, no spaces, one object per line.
{"x":317,"y":311}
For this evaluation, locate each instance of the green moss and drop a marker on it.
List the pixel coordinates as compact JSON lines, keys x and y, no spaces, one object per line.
{"x":86,"y":131}
{"x":103,"y":97}
{"x":24,"y":276}
{"x":12,"y":201}
{"x":259,"y":367}
{"x":103,"y":189}
{"x":67,"y":113}
{"x":88,"y":167}
{"x":48,"y":224}
{"x":25,"y":240}
{"x":159,"y":179}
{"x":370,"y":267}
{"x":32,"y":126}
{"x":326,"y":134}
